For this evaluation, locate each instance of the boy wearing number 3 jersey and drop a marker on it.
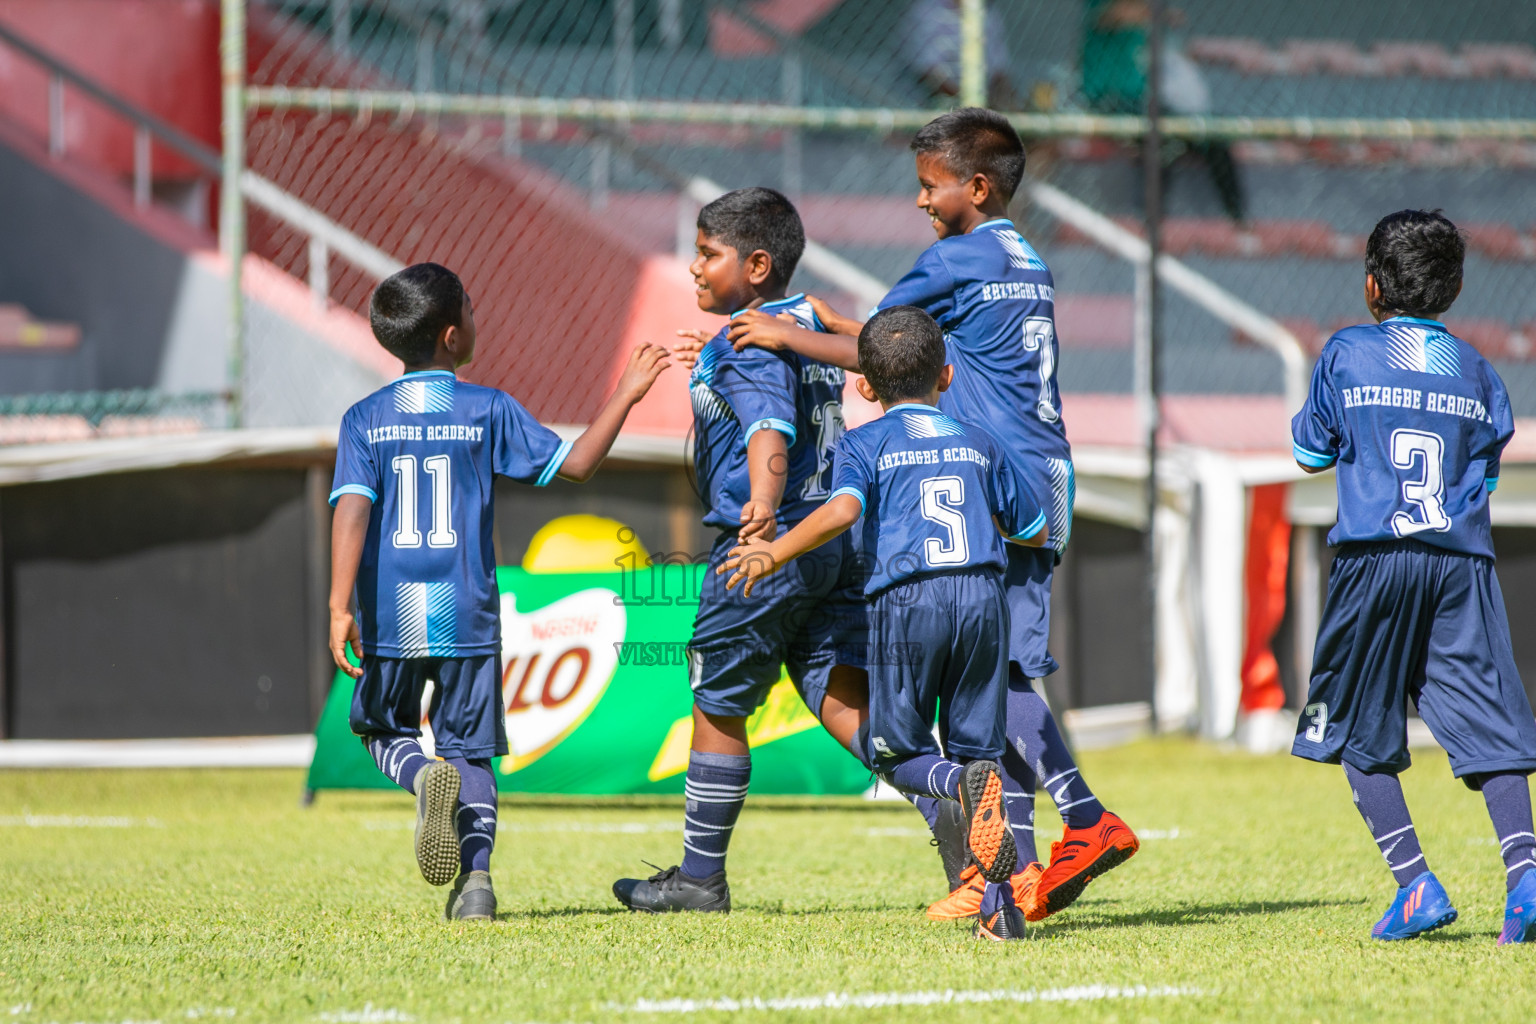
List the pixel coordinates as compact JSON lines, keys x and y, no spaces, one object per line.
{"x":1415,"y":420}
{"x":415,"y":468}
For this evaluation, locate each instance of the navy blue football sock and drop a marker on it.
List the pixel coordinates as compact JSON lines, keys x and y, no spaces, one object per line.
{"x":476,"y":813}
{"x":927,"y":775}
{"x":1032,"y":730}
{"x":398,"y":757}
{"x":1019,"y":799}
{"x":1379,"y":798}
{"x":1508,"y":795}
{"x":927,"y":806}
{"x":715,"y":789}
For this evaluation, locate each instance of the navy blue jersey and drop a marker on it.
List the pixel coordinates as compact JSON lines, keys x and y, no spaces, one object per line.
{"x":930,"y":486}
{"x":736,"y":394}
{"x":1416,"y":420}
{"x":425,"y":449}
{"x":996,"y":301}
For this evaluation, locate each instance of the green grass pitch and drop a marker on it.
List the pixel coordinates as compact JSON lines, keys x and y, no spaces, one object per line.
{"x":179,"y":895}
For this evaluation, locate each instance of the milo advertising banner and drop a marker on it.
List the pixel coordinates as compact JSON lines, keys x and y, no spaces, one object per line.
{"x":595,"y":688}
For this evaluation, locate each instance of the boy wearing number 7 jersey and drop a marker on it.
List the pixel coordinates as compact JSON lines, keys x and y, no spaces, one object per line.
{"x":1416,"y":420}
{"x":415,"y":468}
{"x":934,"y":494}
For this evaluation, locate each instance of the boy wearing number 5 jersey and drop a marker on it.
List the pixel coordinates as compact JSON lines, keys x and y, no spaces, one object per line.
{"x":1415,"y":420}
{"x":415,"y":468}
{"x":994,"y":298}
{"x":934,"y":495}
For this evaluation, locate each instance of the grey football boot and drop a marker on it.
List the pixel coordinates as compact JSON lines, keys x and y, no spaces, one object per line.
{"x":949,"y":835}
{"x":437,"y":830}
{"x":472,"y":898}
{"x":671,"y":890}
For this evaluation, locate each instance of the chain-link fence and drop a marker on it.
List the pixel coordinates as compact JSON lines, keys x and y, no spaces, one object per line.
{"x":548,"y":151}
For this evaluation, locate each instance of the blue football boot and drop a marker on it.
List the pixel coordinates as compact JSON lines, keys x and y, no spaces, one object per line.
{"x":1420,"y":906}
{"x":1520,"y":912}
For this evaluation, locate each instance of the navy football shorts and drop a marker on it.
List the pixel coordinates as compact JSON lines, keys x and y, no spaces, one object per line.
{"x":808,"y":617}
{"x":1028,"y":586}
{"x":938,"y":649}
{"x":467,"y":713}
{"x":1405,"y":621}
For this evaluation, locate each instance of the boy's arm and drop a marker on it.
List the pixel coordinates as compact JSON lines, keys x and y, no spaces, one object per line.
{"x":1035,"y":539}
{"x":753,"y":561}
{"x":761,"y":330}
{"x":590,"y":449}
{"x":767,"y":466}
{"x":349,"y":529}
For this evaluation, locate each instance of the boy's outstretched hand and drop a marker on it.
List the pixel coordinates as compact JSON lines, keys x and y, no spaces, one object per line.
{"x":343,"y":635}
{"x":750,"y":561}
{"x":645,"y":364}
{"x":686,"y":352}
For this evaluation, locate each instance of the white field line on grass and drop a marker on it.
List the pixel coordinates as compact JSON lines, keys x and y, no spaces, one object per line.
{"x":625,"y":827}
{"x":874,"y":1000}
{"x":369,"y":1014}
{"x":72,"y":821}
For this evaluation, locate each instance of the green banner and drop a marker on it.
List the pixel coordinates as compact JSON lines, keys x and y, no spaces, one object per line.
{"x":595,"y":686}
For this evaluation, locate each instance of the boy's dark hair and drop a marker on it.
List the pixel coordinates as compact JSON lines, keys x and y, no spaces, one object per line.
{"x":901,"y":353}
{"x":411,"y":307}
{"x":974,"y":140}
{"x":1416,"y":257}
{"x":755,"y":218}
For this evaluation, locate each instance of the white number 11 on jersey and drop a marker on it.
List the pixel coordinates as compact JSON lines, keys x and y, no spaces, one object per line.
{"x":440,"y":469}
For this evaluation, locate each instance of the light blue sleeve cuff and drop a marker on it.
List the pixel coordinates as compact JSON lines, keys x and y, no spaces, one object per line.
{"x":853,"y":491}
{"x":1492,"y":483}
{"x":367,"y":492}
{"x":782,"y":426}
{"x":555,"y":462}
{"x":1032,"y":529}
{"x":1317,"y":460}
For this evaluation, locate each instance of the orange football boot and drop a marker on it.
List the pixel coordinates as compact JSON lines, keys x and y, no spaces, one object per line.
{"x":1082,"y":855}
{"x":965,"y":901}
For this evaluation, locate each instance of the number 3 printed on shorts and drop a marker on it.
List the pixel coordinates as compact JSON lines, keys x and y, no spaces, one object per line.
{"x":1421,"y":450}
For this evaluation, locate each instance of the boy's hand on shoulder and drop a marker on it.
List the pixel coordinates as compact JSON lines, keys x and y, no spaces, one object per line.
{"x":758,"y":522}
{"x":749,"y":561}
{"x":686,"y":352}
{"x":645,"y":364}
{"x":761,"y":330}
{"x":832,"y":320}
{"x":344,"y":634}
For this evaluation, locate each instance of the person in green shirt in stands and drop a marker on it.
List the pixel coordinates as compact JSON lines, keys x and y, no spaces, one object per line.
{"x":1114,"y":67}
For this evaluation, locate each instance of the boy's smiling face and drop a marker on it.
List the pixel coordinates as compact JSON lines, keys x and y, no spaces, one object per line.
{"x":950,"y":202}
{"x":723,"y":281}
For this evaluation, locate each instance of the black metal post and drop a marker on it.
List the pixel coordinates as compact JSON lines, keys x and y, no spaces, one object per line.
{"x":1153,"y":180}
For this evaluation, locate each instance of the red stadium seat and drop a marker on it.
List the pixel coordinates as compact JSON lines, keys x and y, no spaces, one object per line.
{"x":1095,"y":321}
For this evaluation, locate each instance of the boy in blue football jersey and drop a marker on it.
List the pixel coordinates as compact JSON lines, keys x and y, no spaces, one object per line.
{"x":1415,"y":420}
{"x":411,"y":537}
{"x":765,"y":424}
{"x":995,"y":300}
{"x":934,"y":494}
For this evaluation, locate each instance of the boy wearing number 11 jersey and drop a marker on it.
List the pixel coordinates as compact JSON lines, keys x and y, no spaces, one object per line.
{"x":1415,"y":420}
{"x":415,"y":468}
